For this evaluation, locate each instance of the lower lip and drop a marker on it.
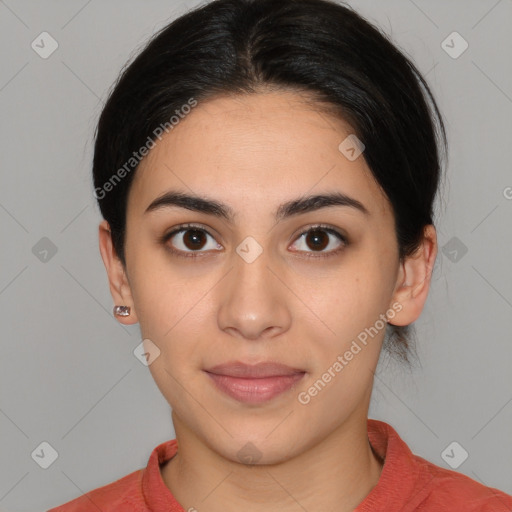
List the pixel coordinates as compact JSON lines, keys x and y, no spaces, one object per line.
{"x":255,"y":391}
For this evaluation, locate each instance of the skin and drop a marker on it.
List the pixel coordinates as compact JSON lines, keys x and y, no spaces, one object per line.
{"x":254,"y":153}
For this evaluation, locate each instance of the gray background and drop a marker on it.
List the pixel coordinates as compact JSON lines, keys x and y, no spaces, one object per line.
{"x":68,"y":373}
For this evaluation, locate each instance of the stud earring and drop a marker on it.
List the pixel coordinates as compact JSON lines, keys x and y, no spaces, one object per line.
{"x":122,"y":310}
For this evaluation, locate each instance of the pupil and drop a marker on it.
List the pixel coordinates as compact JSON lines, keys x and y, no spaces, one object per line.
{"x":316,"y":235}
{"x":194,"y":237}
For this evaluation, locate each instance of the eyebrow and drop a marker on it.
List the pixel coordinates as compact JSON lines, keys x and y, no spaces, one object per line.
{"x":290,"y":208}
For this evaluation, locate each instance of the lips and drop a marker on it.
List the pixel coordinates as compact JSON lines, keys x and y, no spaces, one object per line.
{"x":254,"y":383}
{"x":260,"y":370}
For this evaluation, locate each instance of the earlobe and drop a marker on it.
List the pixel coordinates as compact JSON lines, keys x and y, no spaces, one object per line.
{"x":413,"y":281}
{"x":118,"y":281}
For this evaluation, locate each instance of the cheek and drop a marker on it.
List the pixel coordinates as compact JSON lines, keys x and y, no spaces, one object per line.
{"x":343,"y":362}
{"x":341,"y":305}
{"x":160,"y":291}
{"x":176,"y":329}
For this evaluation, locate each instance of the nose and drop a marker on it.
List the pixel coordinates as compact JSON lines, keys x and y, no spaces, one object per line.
{"x":254,"y":301}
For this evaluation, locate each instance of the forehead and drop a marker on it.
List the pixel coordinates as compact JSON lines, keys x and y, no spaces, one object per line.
{"x":253,"y":152}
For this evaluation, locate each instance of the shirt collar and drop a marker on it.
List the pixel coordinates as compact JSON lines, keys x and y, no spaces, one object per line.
{"x":156,"y":494}
{"x":400,"y":482}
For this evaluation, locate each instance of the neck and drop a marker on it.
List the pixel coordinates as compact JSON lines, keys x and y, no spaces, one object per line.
{"x":337,"y":473}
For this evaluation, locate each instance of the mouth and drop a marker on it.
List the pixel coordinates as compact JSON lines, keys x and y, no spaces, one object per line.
{"x":254,"y":384}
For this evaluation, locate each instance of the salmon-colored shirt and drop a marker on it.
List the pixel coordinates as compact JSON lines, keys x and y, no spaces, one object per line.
{"x":407,"y":483}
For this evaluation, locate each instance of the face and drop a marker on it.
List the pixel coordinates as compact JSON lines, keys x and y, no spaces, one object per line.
{"x":306,"y":285}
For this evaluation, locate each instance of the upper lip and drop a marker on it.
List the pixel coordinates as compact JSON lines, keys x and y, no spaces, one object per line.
{"x":259,"y":370}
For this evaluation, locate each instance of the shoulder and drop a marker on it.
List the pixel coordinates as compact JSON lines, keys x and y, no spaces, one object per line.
{"x":123,"y":492}
{"x":447,"y":487}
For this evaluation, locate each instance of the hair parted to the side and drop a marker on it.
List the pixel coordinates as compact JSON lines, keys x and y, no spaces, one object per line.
{"x":319,"y":48}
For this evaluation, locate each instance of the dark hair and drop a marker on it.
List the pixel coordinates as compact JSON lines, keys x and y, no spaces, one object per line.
{"x":317,"y":47}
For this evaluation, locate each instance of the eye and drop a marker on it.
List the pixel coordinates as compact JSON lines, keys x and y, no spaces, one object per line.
{"x":189,"y":239}
{"x":319,"y":238}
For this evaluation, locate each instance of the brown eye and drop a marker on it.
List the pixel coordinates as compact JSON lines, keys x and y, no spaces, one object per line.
{"x":194,"y":239}
{"x":318,"y":239}
{"x":188,"y":240}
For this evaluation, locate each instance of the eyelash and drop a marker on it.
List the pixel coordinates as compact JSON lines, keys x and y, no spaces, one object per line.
{"x":195,"y":254}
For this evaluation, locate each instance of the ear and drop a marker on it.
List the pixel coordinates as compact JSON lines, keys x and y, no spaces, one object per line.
{"x":413,"y":282}
{"x":118,"y":280}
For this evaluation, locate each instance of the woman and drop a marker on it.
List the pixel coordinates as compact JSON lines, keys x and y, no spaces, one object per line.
{"x":267,"y":172}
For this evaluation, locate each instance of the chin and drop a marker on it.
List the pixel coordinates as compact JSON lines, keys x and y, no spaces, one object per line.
{"x":257,"y":449}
